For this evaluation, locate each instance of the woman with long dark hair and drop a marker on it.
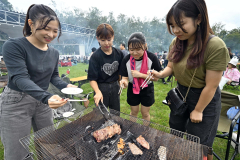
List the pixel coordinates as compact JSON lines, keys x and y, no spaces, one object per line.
{"x":194,"y":56}
{"x":31,"y":65}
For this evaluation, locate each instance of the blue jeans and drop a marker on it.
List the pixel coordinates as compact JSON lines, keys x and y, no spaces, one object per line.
{"x":205,"y":130}
{"x":19,"y":112}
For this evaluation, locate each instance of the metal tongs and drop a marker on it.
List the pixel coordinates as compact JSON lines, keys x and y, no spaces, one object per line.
{"x":145,"y":82}
{"x":107,"y":116}
{"x":121,"y":88}
{"x":69,"y":100}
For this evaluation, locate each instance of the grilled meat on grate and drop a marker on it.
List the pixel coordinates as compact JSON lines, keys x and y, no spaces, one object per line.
{"x":107,"y":132}
{"x":143,"y":142}
{"x":134,"y":149}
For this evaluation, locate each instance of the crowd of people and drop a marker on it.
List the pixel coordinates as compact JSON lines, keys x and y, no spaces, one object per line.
{"x":74,"y":60}
{"x":196,"y":58}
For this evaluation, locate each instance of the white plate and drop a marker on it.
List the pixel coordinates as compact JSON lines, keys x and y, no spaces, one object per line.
{"x":71,"y":90}
{"x":68,"y":114}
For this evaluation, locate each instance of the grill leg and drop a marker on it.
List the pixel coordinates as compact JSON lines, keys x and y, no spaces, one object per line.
{"x":216,"y":156}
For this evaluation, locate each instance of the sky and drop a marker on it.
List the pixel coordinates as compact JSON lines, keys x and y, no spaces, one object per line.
{"x":225,"y":11}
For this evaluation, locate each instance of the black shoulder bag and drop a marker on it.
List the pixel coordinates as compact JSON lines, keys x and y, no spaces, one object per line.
{"x":177,"y":105}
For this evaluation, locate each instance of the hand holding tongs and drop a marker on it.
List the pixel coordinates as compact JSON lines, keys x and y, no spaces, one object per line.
{"x":121,"y":88}
{"x":104,"y":114}
{"x":145,"y":82}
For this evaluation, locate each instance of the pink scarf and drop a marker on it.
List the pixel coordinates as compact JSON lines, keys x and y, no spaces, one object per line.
{"x":137,"y":82}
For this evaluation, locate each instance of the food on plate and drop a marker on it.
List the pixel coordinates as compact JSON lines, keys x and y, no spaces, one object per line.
{"x":162,"y":154}
{"x":107,"y":132}
{"x":121,"y":145}
{"x":143,"y":142}
{"x":134,"y":149}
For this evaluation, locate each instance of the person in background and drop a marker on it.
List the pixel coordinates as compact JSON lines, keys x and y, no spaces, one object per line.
{"x":93,"y":50}
{"x":32,"y":64}
{"x":124,"y":51}
{"x":3,"y":67}
{"x":69,"y":61}
{"x":230,"y":53}
{"x":231,"y":74}
{"x":164,"y":57}
{"x":85,"y":59}
{"x":133,"y":70}
{"x":160,"y":60}
{"x":196,"y":59}
{"x":165,"y":62}
{"x":165,"y":54}
{"x":158,"y":54}
{"x":103,"y":71}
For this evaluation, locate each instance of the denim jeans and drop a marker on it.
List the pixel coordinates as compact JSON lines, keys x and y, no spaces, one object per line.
{"x":18,"y":112}
{"x":110,"y":94}
{"x":205,"y":130}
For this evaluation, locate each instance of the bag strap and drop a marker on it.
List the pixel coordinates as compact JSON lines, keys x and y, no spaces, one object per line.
{"x":184,"y":99}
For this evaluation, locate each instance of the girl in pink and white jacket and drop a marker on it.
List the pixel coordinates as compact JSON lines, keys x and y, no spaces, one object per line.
{"x":231,"y":74}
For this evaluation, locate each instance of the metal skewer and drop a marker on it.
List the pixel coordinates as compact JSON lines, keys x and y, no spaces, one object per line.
{"x":54,"y":100}
{"x":120,"y":90}
{"x":80,"y":100}
{"x":147,"y":81}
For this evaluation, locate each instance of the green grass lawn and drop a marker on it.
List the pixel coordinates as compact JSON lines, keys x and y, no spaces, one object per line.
{"x":159,"y":112}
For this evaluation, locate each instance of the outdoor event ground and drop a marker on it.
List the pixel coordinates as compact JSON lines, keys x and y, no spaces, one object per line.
{"x":159,"y":112}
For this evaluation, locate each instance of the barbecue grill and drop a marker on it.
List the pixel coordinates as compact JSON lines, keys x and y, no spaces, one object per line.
{"x":74,"y":141}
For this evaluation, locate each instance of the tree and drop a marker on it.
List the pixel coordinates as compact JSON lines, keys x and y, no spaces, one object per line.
{"x":223,"y":34}
{"x":80,"y":18}
{"x":94,"y":17}
{"x":217,"y":28}
{"x":5,"y":5}
{"x":121,"y":29}
{"x":155,"y":31}
{"x":232,"y":39}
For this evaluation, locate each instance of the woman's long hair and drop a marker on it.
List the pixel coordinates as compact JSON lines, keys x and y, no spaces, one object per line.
{"x":192,"y":9}
{"x":42,"y":14}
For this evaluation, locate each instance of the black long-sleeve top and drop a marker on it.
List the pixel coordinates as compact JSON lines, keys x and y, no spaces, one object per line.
{"x":30,"y":70}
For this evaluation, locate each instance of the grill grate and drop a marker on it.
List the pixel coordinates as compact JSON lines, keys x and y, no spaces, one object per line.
{"x":128,"y":137}
{"x":75,"y":141}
